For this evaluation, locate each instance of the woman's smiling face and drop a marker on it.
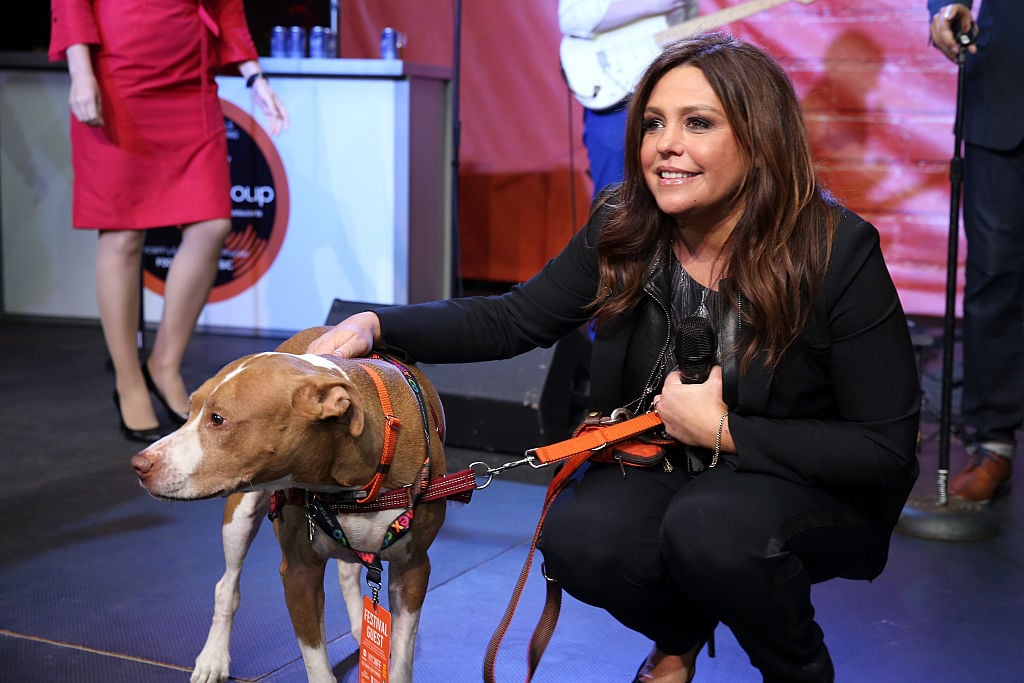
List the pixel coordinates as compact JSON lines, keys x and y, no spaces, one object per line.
{"x":691,"y":160}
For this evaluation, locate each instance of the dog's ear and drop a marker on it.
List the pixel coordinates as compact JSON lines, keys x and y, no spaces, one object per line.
{"x":339,"y":400}
{"x":331,"y":398}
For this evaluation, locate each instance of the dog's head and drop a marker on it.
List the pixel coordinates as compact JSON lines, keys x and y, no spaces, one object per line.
{"x":268,"y":420}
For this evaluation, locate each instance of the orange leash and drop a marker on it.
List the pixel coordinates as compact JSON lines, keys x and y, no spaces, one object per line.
{"x":576,"y":450}
{"x":546,"y":625}
{"x":596,"y":439}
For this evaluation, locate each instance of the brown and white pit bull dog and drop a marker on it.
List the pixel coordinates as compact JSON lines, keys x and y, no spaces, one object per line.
{"x":286,"y":419}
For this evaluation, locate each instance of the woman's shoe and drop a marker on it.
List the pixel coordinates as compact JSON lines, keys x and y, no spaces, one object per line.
{"x":174,"y":416}
{"x":142,"y":435}
{"x":689,"y":662}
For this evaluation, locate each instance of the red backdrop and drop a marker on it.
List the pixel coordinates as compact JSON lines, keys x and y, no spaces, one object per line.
{"x":878,"y":100}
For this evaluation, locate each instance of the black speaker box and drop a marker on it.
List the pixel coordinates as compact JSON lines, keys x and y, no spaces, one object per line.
{"x":508,"y":406}
{"x":343,"y":309}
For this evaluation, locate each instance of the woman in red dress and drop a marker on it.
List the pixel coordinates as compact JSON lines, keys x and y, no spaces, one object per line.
{"x":148,"y":150}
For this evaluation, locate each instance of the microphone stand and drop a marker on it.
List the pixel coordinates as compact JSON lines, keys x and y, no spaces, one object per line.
{"x":941,"y":517}
{"x":456,"y":268}
{"x":336,"y":26}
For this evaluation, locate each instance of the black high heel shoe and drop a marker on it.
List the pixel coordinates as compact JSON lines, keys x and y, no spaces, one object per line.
{"x":142,"y":435}
{"x":173,"y":415}
{"x":709,"y":640}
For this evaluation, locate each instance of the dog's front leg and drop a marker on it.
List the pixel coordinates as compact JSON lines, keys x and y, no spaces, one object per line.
{"x":349,"y":572}
{"x":302,"y":575}
{"x":407,"y":588}
{"x":243,"y":514}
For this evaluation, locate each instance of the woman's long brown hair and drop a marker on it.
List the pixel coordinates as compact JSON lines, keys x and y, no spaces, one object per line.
{"x":778,"y":252}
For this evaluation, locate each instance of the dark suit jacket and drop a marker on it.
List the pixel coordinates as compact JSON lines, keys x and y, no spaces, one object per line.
{"x":993,"y":106}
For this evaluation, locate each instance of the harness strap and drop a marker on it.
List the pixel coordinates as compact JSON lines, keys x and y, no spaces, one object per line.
{"x":316,"y":512}
{"x":421,"y":401}
{"x":458,"y":486}
{"x":391,"y":425}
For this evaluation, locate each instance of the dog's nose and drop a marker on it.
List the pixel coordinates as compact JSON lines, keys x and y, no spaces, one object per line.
{"x":141,"y":464}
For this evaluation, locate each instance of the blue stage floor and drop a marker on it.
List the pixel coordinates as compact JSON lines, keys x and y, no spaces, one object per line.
{"x":100,"y":582}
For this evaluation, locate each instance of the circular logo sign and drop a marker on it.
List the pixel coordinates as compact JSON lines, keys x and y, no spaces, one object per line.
{"x":259,"y":214}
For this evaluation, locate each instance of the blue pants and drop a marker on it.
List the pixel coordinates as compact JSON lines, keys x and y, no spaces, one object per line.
{"x":604,"y":134}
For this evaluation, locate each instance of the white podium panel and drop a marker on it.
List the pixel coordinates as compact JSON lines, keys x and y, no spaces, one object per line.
{"x":361,"y":183}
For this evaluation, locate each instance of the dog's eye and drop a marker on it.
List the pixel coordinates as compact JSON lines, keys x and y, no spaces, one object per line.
{"x":217,"y":419}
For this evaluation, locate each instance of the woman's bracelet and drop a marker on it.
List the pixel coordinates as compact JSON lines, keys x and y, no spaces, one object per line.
{"x":718,"y":439}
{"x":249,"y":82}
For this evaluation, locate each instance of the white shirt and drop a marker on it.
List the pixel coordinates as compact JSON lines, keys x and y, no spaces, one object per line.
{"x":583,"y":18}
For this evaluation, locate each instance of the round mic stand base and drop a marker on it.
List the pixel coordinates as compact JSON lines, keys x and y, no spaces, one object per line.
{"x":955,"y":520}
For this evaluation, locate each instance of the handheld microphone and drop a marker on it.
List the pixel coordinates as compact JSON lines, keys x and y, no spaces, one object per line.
{"x":695,"y":348}
{"x":964,"y":38}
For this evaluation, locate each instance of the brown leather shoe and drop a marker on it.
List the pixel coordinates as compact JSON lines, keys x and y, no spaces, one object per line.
{"x":986,"y":476}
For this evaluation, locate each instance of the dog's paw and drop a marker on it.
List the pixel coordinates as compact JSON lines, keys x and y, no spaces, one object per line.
{"x":211,"y":666}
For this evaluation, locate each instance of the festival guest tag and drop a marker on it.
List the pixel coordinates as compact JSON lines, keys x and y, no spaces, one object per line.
{"x":375,"y":645}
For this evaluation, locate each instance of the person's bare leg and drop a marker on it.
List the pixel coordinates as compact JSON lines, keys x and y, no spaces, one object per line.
{"x":189,"y":281}
{"x":118,"y":263}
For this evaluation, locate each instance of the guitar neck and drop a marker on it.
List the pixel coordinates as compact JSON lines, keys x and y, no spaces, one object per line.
{"x":713,"y":20}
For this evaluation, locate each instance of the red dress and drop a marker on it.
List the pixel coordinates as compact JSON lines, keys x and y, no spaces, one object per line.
{"x":160,"y":158}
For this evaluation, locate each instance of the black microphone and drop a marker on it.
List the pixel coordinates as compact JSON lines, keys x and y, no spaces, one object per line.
{"x":964,"y":38}
{"x":695,"y":349}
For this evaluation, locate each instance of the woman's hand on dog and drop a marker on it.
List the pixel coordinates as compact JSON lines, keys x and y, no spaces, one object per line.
{"x":353,"y":337}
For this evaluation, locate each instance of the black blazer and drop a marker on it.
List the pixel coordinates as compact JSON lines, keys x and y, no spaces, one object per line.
{"x":993,"y":97}
{"x":840,"y":413}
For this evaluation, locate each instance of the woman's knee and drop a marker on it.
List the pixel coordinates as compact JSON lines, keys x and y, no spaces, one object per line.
{"x":702,"y":534}
{"x":127,"y":243}
{"x":213,"y":231}
{"x":585,"y":552}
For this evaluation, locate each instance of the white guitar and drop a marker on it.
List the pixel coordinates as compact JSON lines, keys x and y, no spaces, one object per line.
{"x":603,"y":69}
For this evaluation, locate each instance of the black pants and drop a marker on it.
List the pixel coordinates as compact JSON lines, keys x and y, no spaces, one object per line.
{"x":669,"y":557}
